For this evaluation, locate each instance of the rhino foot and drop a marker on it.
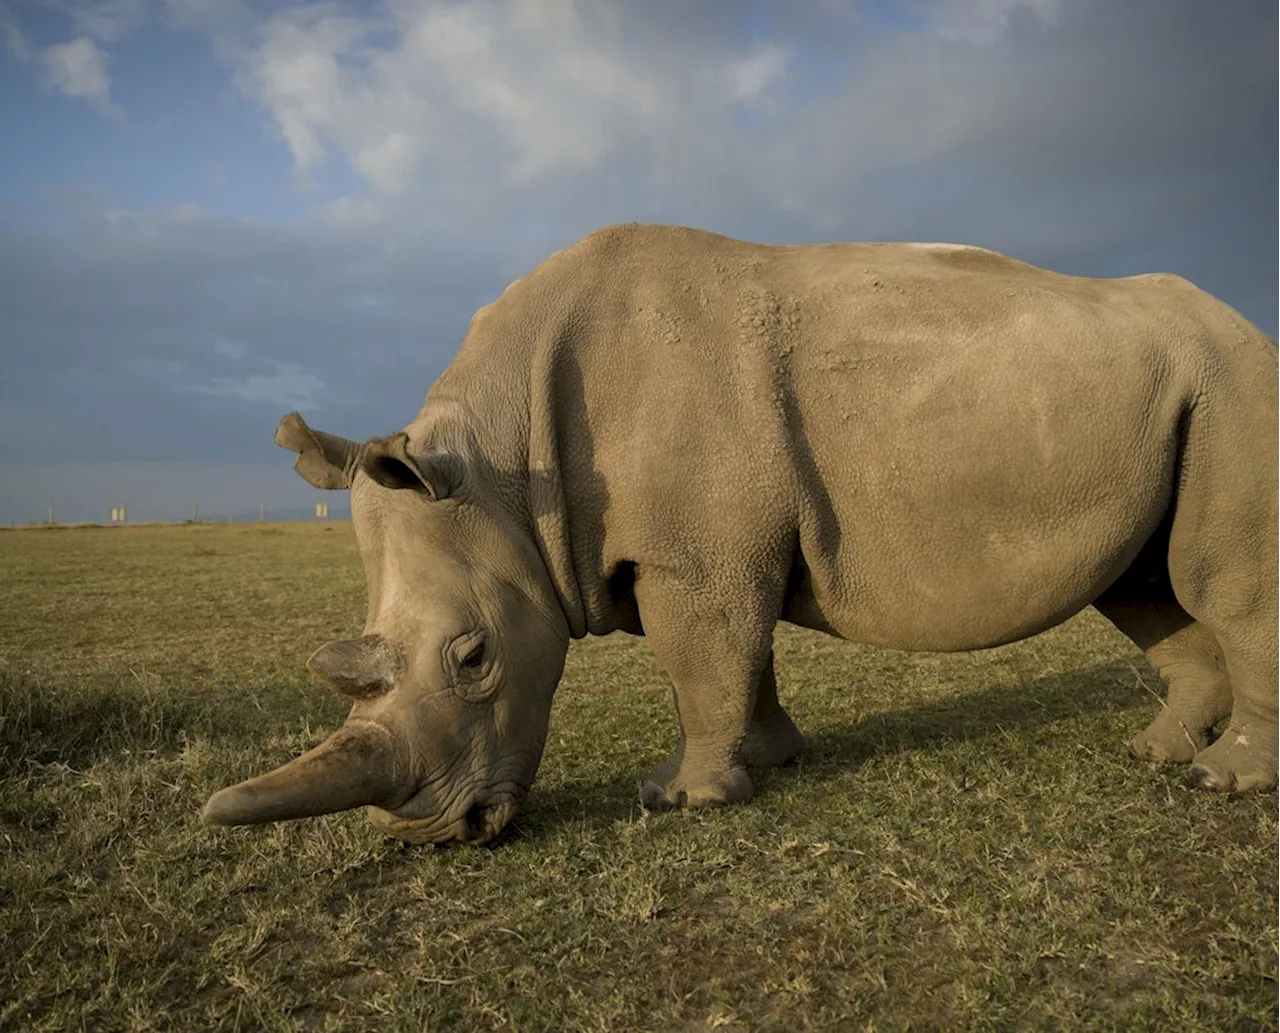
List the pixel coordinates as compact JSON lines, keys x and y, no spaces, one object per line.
{"x":694,"y":786}
{"x":1169,"y":740}
{"x":1238,"y":762}
{"x":773,"y":742}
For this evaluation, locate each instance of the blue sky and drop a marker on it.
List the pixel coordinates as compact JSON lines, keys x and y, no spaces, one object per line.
{"x":213,"y":211}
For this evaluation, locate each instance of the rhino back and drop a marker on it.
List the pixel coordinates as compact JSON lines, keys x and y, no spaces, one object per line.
{"x":924,"y":446}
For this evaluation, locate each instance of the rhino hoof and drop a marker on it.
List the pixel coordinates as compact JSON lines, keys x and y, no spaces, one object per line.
{"x":696,"y":790}
{"x":1233,"y":764}
{"x":1215,"y":781}
{"x":1169,"y":740}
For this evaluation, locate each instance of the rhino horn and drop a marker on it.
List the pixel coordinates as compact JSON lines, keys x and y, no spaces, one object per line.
{"x":324,"y":460}
{"x":362,"y":668}
{"x":354,"y":767}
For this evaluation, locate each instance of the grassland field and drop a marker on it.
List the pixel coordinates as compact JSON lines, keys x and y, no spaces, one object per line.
{"x":964,"y":845}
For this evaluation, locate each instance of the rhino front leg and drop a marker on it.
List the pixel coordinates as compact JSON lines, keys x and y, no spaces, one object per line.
{"x":715,"y":654}
{"x":772,"y":737}
{"x":1190,"y":660}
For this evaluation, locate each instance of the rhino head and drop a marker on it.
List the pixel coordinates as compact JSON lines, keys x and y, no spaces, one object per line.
{"x":451,"y":682}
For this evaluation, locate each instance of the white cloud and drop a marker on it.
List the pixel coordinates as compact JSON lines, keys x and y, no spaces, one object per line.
{"x":514,"y":91}
{"x":79,"y":69}
{"x":388,"y":164}
{"x":752,"y":75}
{"x":289,"y":387}
{"x":985,"y":22}
{"x":107,"y":20}
{"x":14,"y":42}
{"x":297,"y":75}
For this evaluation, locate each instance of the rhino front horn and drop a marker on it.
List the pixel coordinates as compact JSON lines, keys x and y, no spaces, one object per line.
{"x":354,"y":767}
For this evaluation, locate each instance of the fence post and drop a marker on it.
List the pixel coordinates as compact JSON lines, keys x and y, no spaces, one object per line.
{"x":262,"y":512}
{"x":51,"y":520}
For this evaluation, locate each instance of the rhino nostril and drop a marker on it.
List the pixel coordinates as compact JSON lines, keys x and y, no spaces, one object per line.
{"x":475,"y":821}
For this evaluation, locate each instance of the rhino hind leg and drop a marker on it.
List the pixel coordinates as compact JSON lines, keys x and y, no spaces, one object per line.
{"x":716,"y":660}
{"x":1245,"y":756}
{"x":1189,"y":659}
{"x":772,"y":737}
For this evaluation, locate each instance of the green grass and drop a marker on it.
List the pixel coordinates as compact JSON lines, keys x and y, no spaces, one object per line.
{"x":965,"y":845}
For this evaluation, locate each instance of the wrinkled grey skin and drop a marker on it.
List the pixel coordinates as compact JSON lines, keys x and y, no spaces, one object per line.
{"x":676,"y":434}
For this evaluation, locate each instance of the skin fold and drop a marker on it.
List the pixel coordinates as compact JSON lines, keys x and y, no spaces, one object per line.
{"x":675,"y":434}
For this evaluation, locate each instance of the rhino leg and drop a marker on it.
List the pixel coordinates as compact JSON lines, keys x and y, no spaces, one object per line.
{"x":715,"y":659}
{"x":1245,"y":757}
{"x":1222,"y":567}
{"x":1190,"y":660}
{"x":772,"y":737}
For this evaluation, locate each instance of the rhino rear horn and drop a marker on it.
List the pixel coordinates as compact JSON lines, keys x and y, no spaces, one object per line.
{"x":354,"y":767}
{"x":388,"y":461}
{"x":362,"y":668}
{"x":324,"y":460}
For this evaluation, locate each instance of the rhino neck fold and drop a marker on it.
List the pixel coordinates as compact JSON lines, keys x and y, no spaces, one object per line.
{"x":568,"y":536}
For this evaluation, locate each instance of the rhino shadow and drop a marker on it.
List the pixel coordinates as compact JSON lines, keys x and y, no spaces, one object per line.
{"x":832,"y":751}
{"x":965,"y":717}
{"x":55,"y":723}
{"x":51,"y":723}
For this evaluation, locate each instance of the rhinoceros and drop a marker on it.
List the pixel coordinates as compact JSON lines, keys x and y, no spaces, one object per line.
{"x":684,"y":436}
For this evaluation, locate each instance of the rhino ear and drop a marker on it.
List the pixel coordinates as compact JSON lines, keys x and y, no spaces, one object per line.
{"x":388,"y":461}
{"x":324,"y":460}
{"x":362,"y":668}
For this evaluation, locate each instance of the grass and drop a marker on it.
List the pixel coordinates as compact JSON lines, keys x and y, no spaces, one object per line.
{"x":965,"y":845}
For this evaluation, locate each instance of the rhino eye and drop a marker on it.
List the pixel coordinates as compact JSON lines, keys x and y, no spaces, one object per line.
{"x":474,"y":658}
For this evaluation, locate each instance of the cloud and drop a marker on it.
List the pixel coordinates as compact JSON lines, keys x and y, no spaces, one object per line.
{"x":106,"y":20}
{"x":15,"y":43}
{"x":289,"y":387}
{"x":751,"y":75}
{"x":444,"y":148}
{"x":79,"y":69}
{"x":481,"y":110}
{"x":176,"y":335}
{"x":524,"y":90}
{"x":986,"y":22}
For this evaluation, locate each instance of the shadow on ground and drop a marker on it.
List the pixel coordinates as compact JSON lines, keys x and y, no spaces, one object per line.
{"x":832,"y":751}
{"x":1021,"y":706}
{"x":77,"y":725}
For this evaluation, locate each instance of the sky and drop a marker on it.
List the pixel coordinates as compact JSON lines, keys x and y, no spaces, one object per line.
{"x":215,"y":211}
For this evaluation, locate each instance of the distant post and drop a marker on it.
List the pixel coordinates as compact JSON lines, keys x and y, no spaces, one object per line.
{"x":51,"y":520}
{"x":117,"y":514}
{"x":322,"y":511}
{"x":262,"y":512}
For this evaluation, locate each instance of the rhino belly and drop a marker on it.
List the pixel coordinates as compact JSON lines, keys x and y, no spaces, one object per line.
{"x":959,"y":574}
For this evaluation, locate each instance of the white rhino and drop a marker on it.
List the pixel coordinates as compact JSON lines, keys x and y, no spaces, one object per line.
{"x":680,"y":435}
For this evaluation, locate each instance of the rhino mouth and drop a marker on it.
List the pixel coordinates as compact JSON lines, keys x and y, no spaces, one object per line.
{"x":482,"y":820}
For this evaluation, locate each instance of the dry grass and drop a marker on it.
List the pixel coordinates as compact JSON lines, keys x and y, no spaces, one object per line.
{"x":964,"y":847}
